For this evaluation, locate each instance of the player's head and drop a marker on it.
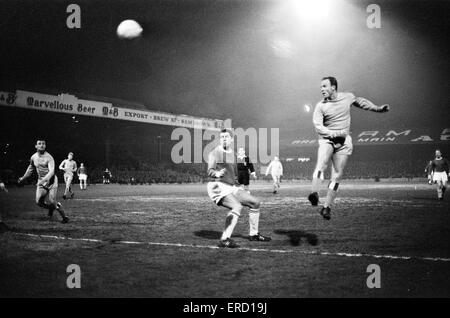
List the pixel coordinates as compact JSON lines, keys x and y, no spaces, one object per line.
{"x":81,"y":164}
{"x":276,"y":158}
{"x":241,"y":151}
{"x":438,"y":153}
{"x":70,"y":156}
{"x":226,"y":138}
{"x":40,"y":145}
{"x":328,"y":86}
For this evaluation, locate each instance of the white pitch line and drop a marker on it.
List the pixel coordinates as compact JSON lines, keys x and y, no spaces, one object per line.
{"x":394,"y":257}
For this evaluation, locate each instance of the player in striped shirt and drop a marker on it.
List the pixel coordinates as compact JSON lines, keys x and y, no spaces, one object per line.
{"x":225,"y":191}
{"x":69,"y":166}
{"x":47,"y":185}
{"x":331,"y":120}
{"x":440,"y":170}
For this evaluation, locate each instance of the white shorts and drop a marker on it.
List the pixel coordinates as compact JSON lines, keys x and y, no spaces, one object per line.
{"x":440,"y":176}
{"x":82,"y":177}
{"x":218,"y":190}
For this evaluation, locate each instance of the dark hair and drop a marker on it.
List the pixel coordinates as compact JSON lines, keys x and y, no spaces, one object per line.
{"x":40,"y":139}
{"x":225,"y":130}
{"x":333,"y":81}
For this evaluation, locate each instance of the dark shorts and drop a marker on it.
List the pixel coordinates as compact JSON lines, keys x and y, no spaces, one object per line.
{"x":244,"y":178}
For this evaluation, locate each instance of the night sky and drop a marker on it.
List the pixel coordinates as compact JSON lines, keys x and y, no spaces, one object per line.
{"x":256,"y":62}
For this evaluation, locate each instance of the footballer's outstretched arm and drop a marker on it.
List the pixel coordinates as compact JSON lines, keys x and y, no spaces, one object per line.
{"x":28,"y":172}
{"x":366,"y":104}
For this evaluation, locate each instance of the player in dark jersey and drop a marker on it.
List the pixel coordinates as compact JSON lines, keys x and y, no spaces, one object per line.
{"x":224,"y":191}
{"x":245,"y":168}
{"x":107,"y":176}
{"x":47,"y":185}
{"x":440,"y":169}
{"x":331,"y":120}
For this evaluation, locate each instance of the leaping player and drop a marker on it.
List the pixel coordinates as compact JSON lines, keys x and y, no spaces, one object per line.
{"x":47,"y":185}
{"x":69,"y":166}
{"x":224,"y":191}
{"x":331,"y":119}
{"x":440,"y":170}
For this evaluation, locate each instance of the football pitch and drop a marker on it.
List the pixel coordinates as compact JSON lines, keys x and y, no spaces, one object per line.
{"x":161,"y":241}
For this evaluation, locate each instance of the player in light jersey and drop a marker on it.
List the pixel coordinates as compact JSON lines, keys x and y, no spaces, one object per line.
{"x":440,"y":170}
{"x":47,"y":185}
{"x":225,"y":191}
{"x":331,"y":119}
{"x":82,"y":176}
{"x":69,"y":166}
{"x":275,"y":168}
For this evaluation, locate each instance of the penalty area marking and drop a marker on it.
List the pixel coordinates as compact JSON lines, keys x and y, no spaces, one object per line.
{"x":379,"y":256}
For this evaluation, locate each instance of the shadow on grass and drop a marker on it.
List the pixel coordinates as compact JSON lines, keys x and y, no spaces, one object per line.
{"x":214,"y":235}
{"x":296,"y":236}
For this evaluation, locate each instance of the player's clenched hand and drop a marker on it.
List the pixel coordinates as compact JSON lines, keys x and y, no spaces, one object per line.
{"x":220,"y":173}
{"x":254,"y":175}
{"x":384,"y":108}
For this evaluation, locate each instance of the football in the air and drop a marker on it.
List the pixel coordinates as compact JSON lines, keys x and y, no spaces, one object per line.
{"x":129,"y":29}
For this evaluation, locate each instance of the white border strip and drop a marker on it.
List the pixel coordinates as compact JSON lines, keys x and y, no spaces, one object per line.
{"x":394,"y":257}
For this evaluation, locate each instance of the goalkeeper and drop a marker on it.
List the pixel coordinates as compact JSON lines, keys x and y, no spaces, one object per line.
{"x":331,"y":120}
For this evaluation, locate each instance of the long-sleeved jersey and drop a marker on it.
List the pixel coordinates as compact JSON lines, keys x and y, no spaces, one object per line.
{"x":220,"y":159}
{"x":44,"y":165}
{"x":69,"y":166}
{"x":82,"y":170}
{"x":244,"y":164}
{"x":275,"y":168}
{"x":440,"y":165}
{"x":333,"y":116}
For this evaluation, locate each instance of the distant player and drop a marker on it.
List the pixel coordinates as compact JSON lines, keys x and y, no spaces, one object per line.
{"x":440,"y":170}
{"x":224,"y":191}
{"x":69,"y":166}
{"x":275,"y":168}
{"x":331,"y":119}
{"x":3,"y":226}
{"x":245,"y":169}
{"x":47,"y":185}
{"x":82,"y":176}
{"x":429,"y":172}
{"x":107,"y":176}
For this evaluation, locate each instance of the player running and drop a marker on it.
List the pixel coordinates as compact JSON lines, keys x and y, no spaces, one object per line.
{"x":69,"y":166}
{"x":82,"y":176}
{"x":440,"y":170}
{"x":47,"y":185}
{"x":224,"y":191}
{"x":244,"y":168}
{"x":275,"y":168}
{"x":331,"y":119}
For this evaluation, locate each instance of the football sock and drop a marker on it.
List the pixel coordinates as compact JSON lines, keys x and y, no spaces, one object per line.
{"x":331,"y":194}
{"x":253,"y":219}
{"x":317,"y":181}
{"x":230,"y":223}
{"x":439,"y":191}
